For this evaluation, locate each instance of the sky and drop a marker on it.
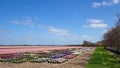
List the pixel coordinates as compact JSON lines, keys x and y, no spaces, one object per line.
{"x":56,"y":22}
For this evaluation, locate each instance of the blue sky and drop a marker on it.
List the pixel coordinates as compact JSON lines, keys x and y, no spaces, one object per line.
{"x":56,"y":21}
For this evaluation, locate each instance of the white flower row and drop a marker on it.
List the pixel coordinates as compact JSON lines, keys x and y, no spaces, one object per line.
{"x":57,"y":60}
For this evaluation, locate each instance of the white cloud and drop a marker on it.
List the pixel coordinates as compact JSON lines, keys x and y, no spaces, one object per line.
{"x":68,"y":35}
{"x":64,"y":35}
{"x":99,"y":25}
{"x":54,"y":30}
{"x":86,"y":37}
{"x":95,"y":23}
{"x":116,"y":1}
{"x":96,"y":4}
{"x":58,"y":31}
{"x":105,"y":3}
{"x":24,"y":21}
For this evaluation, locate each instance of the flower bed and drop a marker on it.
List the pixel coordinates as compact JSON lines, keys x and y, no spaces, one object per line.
{"x":57,"y":60}
{"x":67,"y":52}
{"x":28,"y":56}
{"x":57,"y":56}
{"x":10,"y":57}
{"x":78,"y":50}
{"x":77,"y":53}
{"x":84,"y":49}
{"x":7,"y":56}
{"x":69,"y":56}
{"x":39,"y":60}
{"x":44,"y":55}
{"x":4,"y":60}
{"x":18,"y":60}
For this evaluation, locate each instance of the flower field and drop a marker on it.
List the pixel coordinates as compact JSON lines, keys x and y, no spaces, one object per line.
{"x":50,"y":55}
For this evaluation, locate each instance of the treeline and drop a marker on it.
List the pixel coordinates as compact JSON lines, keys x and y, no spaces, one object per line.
{"x":111,"y":39}
{"x":44,"y":45}
{"x":88,"y":44}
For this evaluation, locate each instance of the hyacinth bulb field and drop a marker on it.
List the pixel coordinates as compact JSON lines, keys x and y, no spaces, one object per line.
{"x":50,"y":56}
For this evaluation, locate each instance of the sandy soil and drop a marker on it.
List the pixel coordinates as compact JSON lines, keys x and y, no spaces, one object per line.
{"x":78,"y":62}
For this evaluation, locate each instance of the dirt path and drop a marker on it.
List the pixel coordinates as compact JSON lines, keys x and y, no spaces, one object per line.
{"x":78,"y":62}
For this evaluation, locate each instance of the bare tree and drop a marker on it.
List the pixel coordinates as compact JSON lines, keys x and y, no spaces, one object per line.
{"x":118,"y":18}
{"x":112,"y":37}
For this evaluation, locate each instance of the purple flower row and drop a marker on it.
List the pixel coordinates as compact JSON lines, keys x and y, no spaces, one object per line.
{"x":57,"y":56}
{"x":9,"y":56}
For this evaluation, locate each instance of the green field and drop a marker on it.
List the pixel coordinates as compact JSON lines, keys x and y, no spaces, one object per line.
{"x":103,"y":59}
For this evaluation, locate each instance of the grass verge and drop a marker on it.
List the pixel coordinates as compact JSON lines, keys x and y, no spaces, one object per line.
{"x":103,"y":59}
